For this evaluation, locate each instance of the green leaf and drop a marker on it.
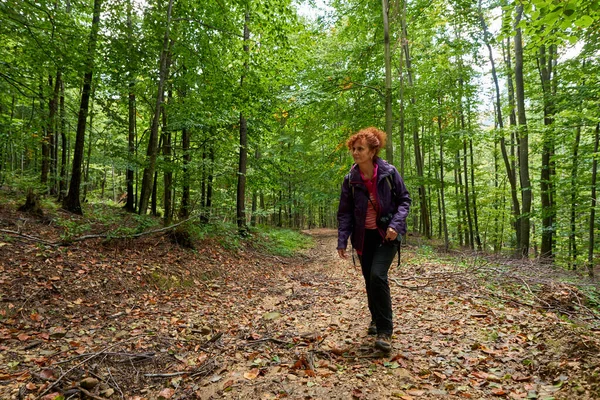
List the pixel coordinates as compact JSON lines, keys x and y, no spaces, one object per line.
{"x":584,"y":21}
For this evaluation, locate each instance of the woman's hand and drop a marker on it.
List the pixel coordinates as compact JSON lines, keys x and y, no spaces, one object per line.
{"x":391,"y":234}
{"x":342,"y":253}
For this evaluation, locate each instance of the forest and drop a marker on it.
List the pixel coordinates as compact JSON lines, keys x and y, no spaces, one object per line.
{"x":170,"y":173}
{"x":239,"y":111}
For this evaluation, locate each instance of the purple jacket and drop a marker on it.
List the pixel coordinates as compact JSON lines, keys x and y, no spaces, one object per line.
{"x":352,"y":210}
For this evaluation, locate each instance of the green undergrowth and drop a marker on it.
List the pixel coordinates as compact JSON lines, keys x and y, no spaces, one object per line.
{"x":280,"y":241}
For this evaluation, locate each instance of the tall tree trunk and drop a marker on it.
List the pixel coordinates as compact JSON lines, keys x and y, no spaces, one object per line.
{"x":86,"y":171}
{"x":592,"y":226}
{"x":253,"y":217}
{"x":168,"y":172}
{"x":457,"y":195}
{"x":62,"y":185}
{"x":526,"y":194}
{"x":52,"y":131}
{"x":46,"y":140}
{"x":573,"y":205}
{"x":184,"y":211}
{"x":243,"y":157}
{"x":389,"y":149}
{"x":444,"y":222}
{"x":426,"y":229}
{"x":510,"y":161}
{"x":545,"y":67}
{"x":474,"y":198}
{"x":209,"y":179}
{"x":131,"y":126}
{"x":152,"y":151}
{"x":72,"y":202}
{"x":131,"y":123}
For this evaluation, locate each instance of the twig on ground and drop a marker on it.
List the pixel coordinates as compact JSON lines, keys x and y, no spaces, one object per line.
{"x":90,"y":394}
{"x":60,"y":378}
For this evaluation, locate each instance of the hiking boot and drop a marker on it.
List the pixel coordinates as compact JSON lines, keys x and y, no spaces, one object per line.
{"x":384,"y":342}
{"x":372,"y":328}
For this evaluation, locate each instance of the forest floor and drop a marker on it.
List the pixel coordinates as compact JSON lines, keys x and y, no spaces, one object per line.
{"x":146,"y":319}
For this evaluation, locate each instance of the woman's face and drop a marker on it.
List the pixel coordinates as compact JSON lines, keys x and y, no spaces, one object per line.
{"x":361,"y":152}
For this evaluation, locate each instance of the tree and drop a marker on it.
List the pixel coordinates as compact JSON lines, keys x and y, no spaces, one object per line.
{"x":526,"y":194}
{"x":152,"y":150}
{"x":72,"y":200}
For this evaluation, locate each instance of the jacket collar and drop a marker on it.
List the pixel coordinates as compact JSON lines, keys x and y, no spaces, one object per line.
{"x":383,"y":170}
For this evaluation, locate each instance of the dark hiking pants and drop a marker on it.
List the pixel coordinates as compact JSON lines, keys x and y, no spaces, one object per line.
{"x":376,"y":258}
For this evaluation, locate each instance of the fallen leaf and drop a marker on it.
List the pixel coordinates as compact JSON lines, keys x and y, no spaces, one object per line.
{"x":416,"y":392}
{"x":252,"y":374}
{"x":227,"y":384}
{"x":47,"y":374}
{"x":166,"y":393}
{"x":271,"y":315}
{"x":23,"y":337}
{"x":53,"y":396}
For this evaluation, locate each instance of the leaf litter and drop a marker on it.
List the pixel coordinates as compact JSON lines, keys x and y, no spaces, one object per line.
{"x":154,"y":321}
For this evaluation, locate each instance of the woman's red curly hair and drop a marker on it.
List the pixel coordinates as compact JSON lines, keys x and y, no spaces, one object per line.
{"x":374,"y":138}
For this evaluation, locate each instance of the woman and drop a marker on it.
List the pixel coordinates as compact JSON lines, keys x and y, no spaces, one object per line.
{"x":373,"y":207}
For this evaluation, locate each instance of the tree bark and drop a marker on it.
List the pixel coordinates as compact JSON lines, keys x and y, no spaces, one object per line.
{"x":426,"y":229}
{"x":545,"y":66}
{"x":184,"y":211}
{"x":168,"y":173}
{"x":526,"y":195}
{"x":62,"y":185}
{"x":131,"y":123}
{"x":594,"y":202}
{"x":72,"y":201}
{"x":573,"y":205}
{"x":152,"y":151}
{"x":444,"y":223}
{"x":243,"y":156}
{"x":389,"y":149}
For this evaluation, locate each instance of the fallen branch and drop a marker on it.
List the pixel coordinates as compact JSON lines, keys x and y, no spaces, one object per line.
{"x":27,"y":237}
{"x":269,"y":339}
{"x":66,"y":242}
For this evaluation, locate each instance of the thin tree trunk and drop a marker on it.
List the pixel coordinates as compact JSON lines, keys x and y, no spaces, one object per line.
{"x":168,"y":173}
{"x":72,"y":202}
{"x":389,"y":149}
{"x":46,"y":141}
{"x":510,"y":161}
{"x":592,"y":227}
{"x":52,"y":132}
{"x":426,"y":229}
{"x":152,"y":151}
{"x":573,"y":205}
{"x":442,"y":197}
{"x":131,"y":125}
{"x":130,"y":174}
{"x":184,"y":211}
{"x":459,"y":200}
{"x":62,"y":185}
{"x":209,"y":179}
{"x":545,"y":67}
{"x":86,"y":172}
{"x":243,"y":156}
{"x":526,"y":195}
{"x":474,"y":198}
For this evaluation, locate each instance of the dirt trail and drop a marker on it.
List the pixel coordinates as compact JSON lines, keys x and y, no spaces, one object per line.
{"x":450,"y":341}
{"x":157,"y":319}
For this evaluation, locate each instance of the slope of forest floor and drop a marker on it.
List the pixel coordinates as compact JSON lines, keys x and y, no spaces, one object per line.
{"x":146,"y":319}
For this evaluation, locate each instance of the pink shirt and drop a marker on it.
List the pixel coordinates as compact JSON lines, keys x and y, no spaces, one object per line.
{"x":371,"y":184}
